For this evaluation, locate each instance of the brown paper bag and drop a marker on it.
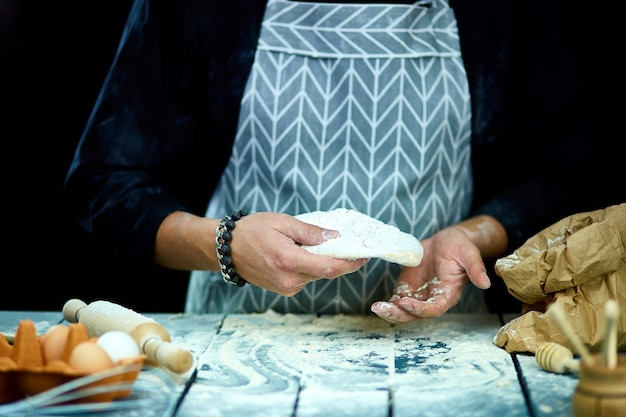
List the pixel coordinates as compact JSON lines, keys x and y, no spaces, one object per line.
{"x":578,"y":262}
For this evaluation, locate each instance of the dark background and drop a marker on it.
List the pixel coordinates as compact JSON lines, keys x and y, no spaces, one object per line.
{"x":54,"y":56}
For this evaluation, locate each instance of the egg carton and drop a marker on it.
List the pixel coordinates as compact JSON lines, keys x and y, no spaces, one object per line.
{"x":26,"y":375}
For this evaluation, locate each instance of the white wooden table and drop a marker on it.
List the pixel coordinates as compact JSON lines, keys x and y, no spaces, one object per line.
{"x":303,"y":365}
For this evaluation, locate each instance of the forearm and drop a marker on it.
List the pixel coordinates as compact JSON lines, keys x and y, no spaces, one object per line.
{"x":487,"y":234}
{"x":186,"y":242}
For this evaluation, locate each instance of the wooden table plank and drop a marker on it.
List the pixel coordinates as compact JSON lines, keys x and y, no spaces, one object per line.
{"x":353,"y":366}
{"x":191,"y":332}
{"x":450,"y":366}
{"x":345,"y":365}
{"x":265,"y":363}
{"x":246,"y":370}
{"x":550,"y":394}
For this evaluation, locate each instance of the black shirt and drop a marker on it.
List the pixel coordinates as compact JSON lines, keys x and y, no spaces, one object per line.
{"x":162,"y":128}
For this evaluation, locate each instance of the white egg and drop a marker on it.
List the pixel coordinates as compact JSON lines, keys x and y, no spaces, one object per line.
{"x":118,"y":345}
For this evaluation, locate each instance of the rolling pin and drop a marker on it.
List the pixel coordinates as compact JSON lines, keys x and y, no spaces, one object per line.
{"x":152,"y":338}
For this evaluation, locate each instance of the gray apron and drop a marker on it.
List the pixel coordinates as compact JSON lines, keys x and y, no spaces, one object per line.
{"x":362,"y":106}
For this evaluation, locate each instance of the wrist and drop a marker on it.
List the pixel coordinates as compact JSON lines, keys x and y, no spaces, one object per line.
{"x":223,"y":237}
{"x":487,"y":233}
{"x":186,"y":242}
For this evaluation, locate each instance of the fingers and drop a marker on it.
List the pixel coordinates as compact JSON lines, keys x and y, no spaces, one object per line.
{"x":474,"y":268}
{"x":408,"y":309}
{"x":429,"y":309}
{"x":479,"y":277}
{"x":312,"y":265}
{"x":268,"y":253}
{"x":318,"y":266}
{"x":288,"y":272}
{"x":392,"y":313}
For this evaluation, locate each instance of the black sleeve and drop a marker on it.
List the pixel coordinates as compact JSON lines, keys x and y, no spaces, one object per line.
{"x":162,"y":128}
{"x":531,"y":132}
{"x":133,"y":164}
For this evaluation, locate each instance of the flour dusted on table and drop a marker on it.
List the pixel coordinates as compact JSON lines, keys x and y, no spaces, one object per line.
{"x":361,"y":236}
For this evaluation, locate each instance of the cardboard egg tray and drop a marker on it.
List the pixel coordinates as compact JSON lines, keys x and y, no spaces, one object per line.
{"x":24,"y":371}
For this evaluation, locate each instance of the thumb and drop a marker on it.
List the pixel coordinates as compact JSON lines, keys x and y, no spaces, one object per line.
{"x":310,"y":235}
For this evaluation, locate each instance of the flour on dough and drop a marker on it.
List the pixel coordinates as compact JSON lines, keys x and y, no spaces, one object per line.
{"x":361,"y":236}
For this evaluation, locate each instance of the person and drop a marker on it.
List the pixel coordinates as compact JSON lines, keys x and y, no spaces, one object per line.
{"x":462,"y":123}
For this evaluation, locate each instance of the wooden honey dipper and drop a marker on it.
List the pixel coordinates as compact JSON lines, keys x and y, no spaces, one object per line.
{"x":556,"y":358}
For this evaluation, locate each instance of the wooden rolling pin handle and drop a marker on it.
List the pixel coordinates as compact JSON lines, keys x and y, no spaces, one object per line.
{"x":154,"y":341}
{"x":173,"y":358}
{"x":72,"y":308}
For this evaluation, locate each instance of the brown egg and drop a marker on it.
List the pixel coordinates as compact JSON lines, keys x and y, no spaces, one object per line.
{"x":53,"y":342}
{"x":88,"y":357}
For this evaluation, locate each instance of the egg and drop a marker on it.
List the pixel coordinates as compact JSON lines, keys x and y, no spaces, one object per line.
{"x":118,"y":345}
{"x":53,"y":342}
{"x":87,"y":357}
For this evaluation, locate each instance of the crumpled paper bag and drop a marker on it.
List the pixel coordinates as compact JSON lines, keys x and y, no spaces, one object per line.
{"x":578,"y":262}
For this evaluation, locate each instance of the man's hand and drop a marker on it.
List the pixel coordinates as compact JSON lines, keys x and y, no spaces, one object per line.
{"x":265,"y":249}
{"x":452,"y":257}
